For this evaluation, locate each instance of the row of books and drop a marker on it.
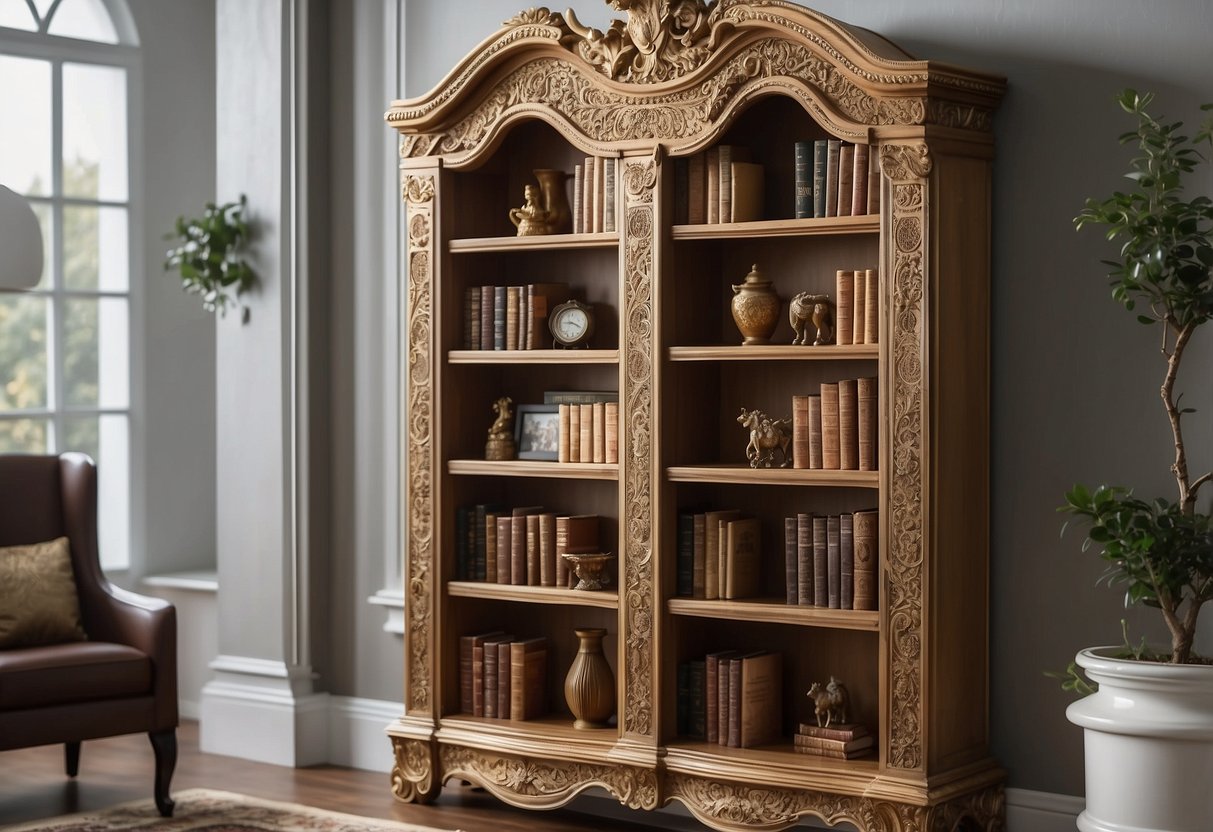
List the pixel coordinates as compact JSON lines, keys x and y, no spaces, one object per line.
{"x":719,"y":555}
{"x":589,"y":433}
{"x":844,"y":741}
{"x":594,"y":195}
{"x":520,"y":546}
{"x":857,"y":306}
{"x":502,"y":677}
{"x":836,"y":179}
{"x":830,"y":561}
{"x":510,"y":317}
{"x":837,"y":428}
{"x":731,"y":698}
{"x":719,"y":185}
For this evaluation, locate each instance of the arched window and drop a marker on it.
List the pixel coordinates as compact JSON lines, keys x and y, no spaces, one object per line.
{"x":68,"y":76}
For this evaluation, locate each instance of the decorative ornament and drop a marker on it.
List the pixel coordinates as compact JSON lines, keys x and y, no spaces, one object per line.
{"x":500,"y":444}
{"x":766,"y":436}
{"x":819,"y":309}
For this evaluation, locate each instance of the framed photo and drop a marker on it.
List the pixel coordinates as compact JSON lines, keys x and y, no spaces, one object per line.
{"x":537,"y":431}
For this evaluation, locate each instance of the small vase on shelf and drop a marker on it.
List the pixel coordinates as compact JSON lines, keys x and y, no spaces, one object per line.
{"x":755,"y":308}
{"x":589,"y":687}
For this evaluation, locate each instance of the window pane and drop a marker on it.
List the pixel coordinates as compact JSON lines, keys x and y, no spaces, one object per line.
{"x":96,"y":362}
{"x":23,"y":351}
{"x":95,"y":249}
{"x":107,"y":440}
{"x":15,"y":15}
{"x":94,"y":132}
{"x":25,"y":129}
{"x":46,"y":220}
{"x":86,"y":19}
{"x":23,"y":436}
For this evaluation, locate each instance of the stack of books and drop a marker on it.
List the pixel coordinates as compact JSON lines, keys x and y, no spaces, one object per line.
{"x":501,"y":677}
{"x":843,"y":741}
{"x":520,"y":546}
{"x":857,"y":306}
{"x":719,"y":185}
{"x":830,"y":561}
{"x":589,"y":426}
{"x":836,"y":179}
{"x":510,"y":317}
{"x":836,"y":429}
{"x":595,"y":189}
{"x":719,"y":555}
{"x":731,"y":698}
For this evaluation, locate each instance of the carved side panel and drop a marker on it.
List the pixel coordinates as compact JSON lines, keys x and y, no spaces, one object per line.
{"x":640,"y":182}
{"x":907,"y":166}
{"x":418,"y":193}
{"x":523,"y":781}
{"x":413,"y":771}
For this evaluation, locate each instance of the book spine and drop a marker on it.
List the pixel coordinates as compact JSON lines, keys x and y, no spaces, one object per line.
{"x":518,"y":550}
{"x":821,"y":577}
{"x":466,"y":645}
{"x":800,"y":431}
{"x":467,"y":315}
{"x":532,"y":550}
{"x":844,"y":299}
{"x":831,"y":181}
{"x":735,"y":694}
{"x":805,"y":563}
{"x":477,"y":678}
{"x":711,"y":704}
{"x":848,"y":425}
{"x":839,"y":732}
{"x":474,"y":296}
{"x":488,"y":297}
{"x":871,"y":315}
{"x":547,"y":549}
{"x":562,"y":545}
{"x":829,"y":426}
{"x":500,"y":305}
{"x":815,"y":460}
{"x":586,"y":426}
{"x":859,"y":308}
{"x":868,"y":422}
{"x":791,"y":561}
{"x":578,"y":188}
{"x":490,"y":681}
{"x":846,"y":178}
{"x":833,"y":562}
{"x":505,"y":678}
{"x":518,"y":682}
{"x":697,"y":189}
{"x":712,"y":165}
{"x":866,"y":525}
{"x":820,"y":158}
{"x":831,"y":752}
{"x":609,"y":190}
{"x":597,"y":209}
{"x":527,"y":338}
{"x":724,"y":158}
{"x":587,"y":196}
{"x":686,"y":555}
{"x":599,"y":431}
{"x":722,"y":701}
{"x":698,"y":557}
{"x":612,"y":433}
{"x":511,"y":317}
{"x":803,"y":155}
{"x":846,"y":557}
{"x":505,"y":549}
{"x":711,"y":558}
{"x":804,"y":742}
{"x":490,"y":548}
{"x":562,"y":445}
{"x":859,"y":181}
{"x":574,"y":433}
{"x":873,"y":182}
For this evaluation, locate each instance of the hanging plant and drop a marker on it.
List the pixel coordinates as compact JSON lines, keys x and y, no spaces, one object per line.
{"x":208,"y":256}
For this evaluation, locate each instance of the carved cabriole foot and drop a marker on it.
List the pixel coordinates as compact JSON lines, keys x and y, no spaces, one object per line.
{"x":542,"y":784}
{"x":413,"y":778}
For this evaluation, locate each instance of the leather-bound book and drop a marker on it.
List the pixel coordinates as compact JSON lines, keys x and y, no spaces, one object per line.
{"x":490,"y":546}
{"x":859,"y":181}
{"x":821,"y":154}
{"x":698,"y":555}
{"x":761,"y":699}
{"x":726,"y":711}
{"x":511,"y":317}
{"x":831,"y":182}
{"x":586,"y":425}
{"x":587,"y":198}
{"x":859,"y":310}
{"x":574,"y":433}
{"x":598,"y":431}
{"x":844,"y":309}
{"x":505,"y":680}
{"x":821,"y":558}
{"x":743,"y":559}
{"x":477,"y":671}
{"x":733,"y":731}
{"x":610,"y":190}
{"x":491,"y":673}
{"x":845,"y":749}
{"x":867,"y":556}
{"x":528,"y":678}
{"x":868,"y":423}
{"x":578,"y":197}
{"x":848,"y":425}
{"x":833,"y":562}
{"x":724,"y":158}
{"x":800,"y":431}
{"x":711,"y":664}
{"x":562,"y":445}
{"x":599,"y":186}
{"x":803,"y":194}
{"x":846,"y":557}
{"x":712,"y":166}
{"x":612,"y":433}
{"x":488,"y":297}
{"x":830,"y":439}
{"x":805,"y":564}
{"x":505,"y":548}
{"x":697,"y":189}
{"x":815,"y":460}
{"x":846,"y":178}
{"x":871,"y":315}
{"x":547,"y":549}
{"x":790,"y":561}
{"x":500,"y":307}
{"x":471,"y":318}
{"x":518,"y":545}
{"x":532,"y":550}
{"x":841,"y":731}
{"x":711,"y":569}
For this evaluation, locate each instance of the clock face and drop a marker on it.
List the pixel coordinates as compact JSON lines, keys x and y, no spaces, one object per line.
{"x":571,"y":324}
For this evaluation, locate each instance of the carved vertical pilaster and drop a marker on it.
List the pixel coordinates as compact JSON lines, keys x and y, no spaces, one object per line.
{"x":907,"y":167}
{"x":636,"y":447}
{"x":418,"y":192}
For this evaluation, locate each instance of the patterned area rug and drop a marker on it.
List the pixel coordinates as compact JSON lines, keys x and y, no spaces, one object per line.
{"x":206,"y":810}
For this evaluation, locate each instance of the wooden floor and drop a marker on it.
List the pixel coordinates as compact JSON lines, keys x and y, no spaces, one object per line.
{"x":33,"y":786}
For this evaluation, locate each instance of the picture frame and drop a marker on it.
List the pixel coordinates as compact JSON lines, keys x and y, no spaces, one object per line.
{"x":537,"y":431}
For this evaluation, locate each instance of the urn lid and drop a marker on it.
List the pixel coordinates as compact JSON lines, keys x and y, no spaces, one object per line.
{"x":754,"y":279}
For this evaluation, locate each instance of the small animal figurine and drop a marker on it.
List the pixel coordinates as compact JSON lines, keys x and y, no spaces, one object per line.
{"x":816,"y":308}
{"x":532,"y":218}
{"x":766,"y":436}
{"x":500,"y":443}
{"x":830,"y":702}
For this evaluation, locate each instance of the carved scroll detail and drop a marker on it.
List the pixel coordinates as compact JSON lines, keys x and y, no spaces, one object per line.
{"x":905,"y":162}
{"x":413,"y":771}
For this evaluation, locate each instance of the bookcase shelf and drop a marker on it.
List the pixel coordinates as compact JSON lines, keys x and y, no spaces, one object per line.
{"x":604,"y":599}
{"x":775,"y":611}
{"x":742,"y":474}
{"x":916,"y":405}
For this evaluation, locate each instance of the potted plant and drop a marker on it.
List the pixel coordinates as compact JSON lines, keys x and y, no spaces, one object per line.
{"x":1148,"y":721}
{"x":207,"y":256}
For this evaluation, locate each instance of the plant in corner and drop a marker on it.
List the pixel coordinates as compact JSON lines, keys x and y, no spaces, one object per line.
{"x":208,"y":256}
{"x":1159,"y":551}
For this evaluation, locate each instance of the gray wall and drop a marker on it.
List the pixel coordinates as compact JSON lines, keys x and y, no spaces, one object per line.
{"x":1075,"y":379}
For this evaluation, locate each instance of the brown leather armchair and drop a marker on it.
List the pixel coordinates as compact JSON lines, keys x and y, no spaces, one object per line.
{"x":123,"y":679}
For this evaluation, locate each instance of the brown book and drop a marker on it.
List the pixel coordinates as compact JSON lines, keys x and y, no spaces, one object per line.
{"x":873,"y":183}
{"x":491,"y":673}
{"x":867,"y":555}
{"x":804,"y":560}
{"x":743,"y":559}
{"x":505,"y":678}
{"x":596,"y":209}
{"x":804,"y":742}
{"x":800,"y":431}
{"x":846,"y":556}
{"x":828,"y":752}
{"x":490,"y":546}
{"x":831,"y":184}
{"x":518,"y":546}
{"x":598,"y":431}
{"x":505,"y":548}
{"x":610,"y":193}
{"x":471,"y":651}
{"x":697,"y":189}
{"x":477,"y":708}
{"x":574,"y":433}
{"x":471,"y":318}
{"x":868,"y":423}
{"x":578,"y":198}
{"x":821,"y":557}
{"x":844,"y":310}
{"x":859,"y":303}
{"x":724,"y":158}
{"x":712,"y":663}
{"x":586,"y":425}
{"x":547,"y":549}
{"x":541,"y":299}
{"x":712,"y":164}
{"x":580,"y":534}
{"x":829,"y":427}
{"x":871,"y":315}
{"x":859,"y":181}
{"x":562,"y":445}
{"x":844,"y":731}
{"x":760,"y":698}
{"x":532,"y":550}
{"x":846,"y":179}
{"x":487,"y":302}
{"x":747,"y":197}
{"x":511,"y":317}
{"x":698,"y":556}
{"x":528,"y":678}
{"x":612,"y":433}
{"x":711,"y":547}
{"x":731,"y":730}
{"x":815,"y":460}
{"x":587,"y":196}
{"x":833,"y":561}
{"x":791,"y":562}
{"x":848,"y":425}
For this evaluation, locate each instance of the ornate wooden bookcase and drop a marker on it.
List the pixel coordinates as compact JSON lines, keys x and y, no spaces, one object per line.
{"x":674,"y":79}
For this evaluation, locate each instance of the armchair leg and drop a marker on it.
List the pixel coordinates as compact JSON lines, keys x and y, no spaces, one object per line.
{"x":71,"y":758}
{"x":164,"y":746}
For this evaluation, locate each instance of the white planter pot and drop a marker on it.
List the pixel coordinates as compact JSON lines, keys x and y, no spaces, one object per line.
{"x":1149,"y":745}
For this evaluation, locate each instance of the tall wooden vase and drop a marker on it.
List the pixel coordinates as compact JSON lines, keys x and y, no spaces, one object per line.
{"x":589,"y":688}
{"x":555,"y":199}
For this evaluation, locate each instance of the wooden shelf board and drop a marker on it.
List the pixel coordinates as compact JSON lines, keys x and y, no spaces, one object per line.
{"x":533,"y":357}
{"x":533,"y":468}
{"x":471,"y":245}
{"x":776,"y":763}
{"x":868,"y":224}
{"x":776,"y":352}
{"x":606,"y":599}
{"x":552,"y":737}
{"x":745,"y":475}
{"x":776,"y":611}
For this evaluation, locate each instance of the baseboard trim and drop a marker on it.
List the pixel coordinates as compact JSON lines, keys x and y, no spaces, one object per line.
{"x":356,"y":737}
{"x":1032,"y":811}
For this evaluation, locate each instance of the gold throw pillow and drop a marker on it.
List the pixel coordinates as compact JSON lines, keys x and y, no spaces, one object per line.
{"x":38,"y":603}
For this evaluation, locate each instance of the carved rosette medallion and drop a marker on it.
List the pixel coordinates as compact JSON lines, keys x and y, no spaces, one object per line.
{"x":907,"y":166}
{"x":640,"y":181}
{"x":413,"y":771}
{"x":523,"y":781}
{"x":418,"y":192}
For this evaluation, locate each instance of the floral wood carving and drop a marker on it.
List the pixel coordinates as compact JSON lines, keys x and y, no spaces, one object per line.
{"x":640,"y":181}
{"x":413,"y":771}
{"x":419,"y":195}
{"x":662,"y":39}
{"x":546,"y":783}
{"x":725,"y":805}
{"x":905,"y":165}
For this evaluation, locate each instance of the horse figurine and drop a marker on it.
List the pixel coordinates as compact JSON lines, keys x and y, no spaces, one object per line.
{"x":500,"y":444}
{"x":830,"y":702}
{"x":817,"y":308}
{"x":766,"y":435}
